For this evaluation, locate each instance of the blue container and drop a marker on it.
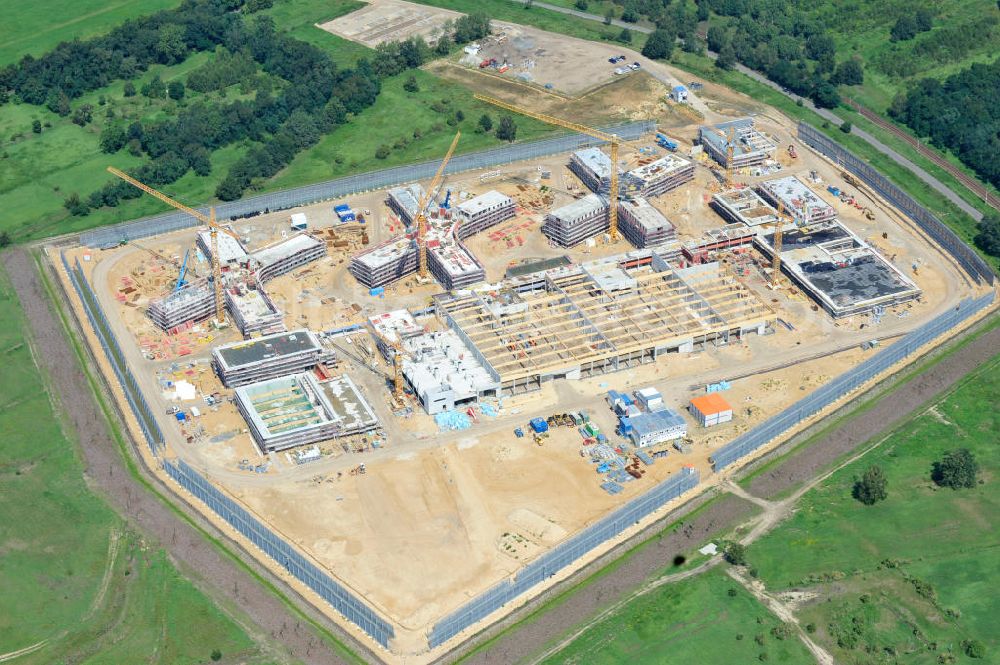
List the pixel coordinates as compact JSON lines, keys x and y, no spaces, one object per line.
{"x":377,"y":291}
{"x":539,"y":425}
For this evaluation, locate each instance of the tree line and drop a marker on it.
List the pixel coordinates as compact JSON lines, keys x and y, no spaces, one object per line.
{"x":960,"y":114}
{"x":300,"y":95}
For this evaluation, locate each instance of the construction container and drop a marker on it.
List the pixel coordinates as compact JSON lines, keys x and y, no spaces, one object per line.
{"x":711,"y":409}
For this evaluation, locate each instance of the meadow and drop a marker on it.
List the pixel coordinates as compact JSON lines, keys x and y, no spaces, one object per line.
{"x":917,"y":569}
{"x":73,"y":573}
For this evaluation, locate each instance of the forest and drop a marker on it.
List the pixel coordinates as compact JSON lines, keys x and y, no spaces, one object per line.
{"x":960,"y":114}
{"x":293,"y":92}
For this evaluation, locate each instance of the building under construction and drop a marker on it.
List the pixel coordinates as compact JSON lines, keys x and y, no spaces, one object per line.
{"x":576,"y":221}
{"x":253,"y":311}
{"x":593,"y":167}
{"x":841,"y":272}
{"x":445,"y":373}
{"x":798,"y":199}
{"x":286,"y":255}
{"x":392,"y":328}
{"x":749,"y":146}
{"x":660,"y":176}
{"x":242,"y":363}
{"x":405,"y":201}
{"x":296,"y":410}
{"x":744,"y":206}
{"x":231,"y":250}
{"x":451,"y":263}
{"x":193,"y":302}
{"x":643,"y":225}
{"x":599,"y":317}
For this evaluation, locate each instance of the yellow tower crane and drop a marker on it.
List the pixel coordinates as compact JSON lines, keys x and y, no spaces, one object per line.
{"x":213,"y":227}
{"x":397,"y":365}
{"x":776,"y":245}
{"x":422,"y":212}
{"x":612,"y":140}
{"x":730,"y":156}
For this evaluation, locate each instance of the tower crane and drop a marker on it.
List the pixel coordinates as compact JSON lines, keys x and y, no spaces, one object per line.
{"x":422,"y":211}
{"x":776,"y":245}
{"x":209,"y":220}
{"x":612,"y":140}
{"x":397,"y":364}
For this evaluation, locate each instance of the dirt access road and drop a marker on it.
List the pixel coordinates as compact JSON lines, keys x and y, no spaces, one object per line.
{"x":106,"y":471}
{"x":531,"y":638}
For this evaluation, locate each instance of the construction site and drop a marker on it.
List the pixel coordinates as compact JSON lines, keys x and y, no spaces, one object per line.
{"x":426,"y":388}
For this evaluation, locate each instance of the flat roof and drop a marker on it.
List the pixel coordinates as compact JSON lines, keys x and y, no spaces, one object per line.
{"x":747,"y":139}
{"x":482,"y":202}
{"x":798,"y":198}
{"x":350,"y":409}
{"x":284,"y":249}
{"x":540,"y":265}
{"x":243,"y":353}
{"x":580,"y":208}
{"x":656,"y":421}
{"x":408,"y":197}
{"x":389,"y":251}
{"x":595,"y":160}
{"x":195,"y":290}
{"x":747,"y":206}
{"x":395,"y":325}
{"x":253,"y":304}
{"x":661,"y":168}
{"x":646,"y":214}
{"x":710,"y":404}
{"x":231,"y":250}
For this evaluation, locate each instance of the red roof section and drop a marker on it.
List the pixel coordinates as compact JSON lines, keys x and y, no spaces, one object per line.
{"x":710,"y":404}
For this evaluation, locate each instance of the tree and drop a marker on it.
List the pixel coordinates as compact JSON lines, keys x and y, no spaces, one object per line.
{"x":75,"y":206}
{"x":411,"y":85}
{"x":129,"y":89}
{"x":660,"y":45}
{"x":216,"y":655}
{"x":36,"y":126}
{"x":154,"y":88}
{"x":581,"y":5}
{"x":382,"y":151}
{"x":849,"y":72}
{"x":630,"y":15}
{"x":625,"y":36}
{"x":253,"y":6}
{"x":988,"y":236}
{"x":924,"y":20}
{"x":459,"y":115}
{"x":825,"y":95}
{"x":735,"y":553}
{"x":83,"y":114}
{"x":4,"y":239}
{"x":57,"y":102}
{"x":175,"y":90}
{"x":113,"y":138}
{"x":974,"y":648}
{"x":846,"y":127}
{"x":507,"y":129}
{"x":957,"y":469}
{"x":727,"y":56}
{"x":171,"y":47}
{"x":717,"y":38}
{"x":485,"y":122}
{"x":871,"y":488}
{"x":609,"y":16}
{"x":904,"y":29}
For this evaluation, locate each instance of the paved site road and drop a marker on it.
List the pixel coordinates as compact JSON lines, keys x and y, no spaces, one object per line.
{"x":532,"y":637}
{"x":826,"y":114}
{"x":104,"y":467}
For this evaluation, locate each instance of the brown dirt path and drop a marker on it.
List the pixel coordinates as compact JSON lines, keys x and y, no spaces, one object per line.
{"x":106,"y":472}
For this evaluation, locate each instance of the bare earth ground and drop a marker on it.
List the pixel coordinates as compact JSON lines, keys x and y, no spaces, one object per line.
{"x":106,"y":469}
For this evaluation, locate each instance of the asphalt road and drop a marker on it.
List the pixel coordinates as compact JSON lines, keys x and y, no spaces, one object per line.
{"x":106,"y":472}
{"x":532,"y":637}
{"x":826,"y":114}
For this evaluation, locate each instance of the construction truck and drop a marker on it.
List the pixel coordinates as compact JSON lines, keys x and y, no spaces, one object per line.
{"x":791,"y":151}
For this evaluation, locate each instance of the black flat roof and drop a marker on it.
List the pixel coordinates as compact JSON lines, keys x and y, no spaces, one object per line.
{"x":272,"y":346}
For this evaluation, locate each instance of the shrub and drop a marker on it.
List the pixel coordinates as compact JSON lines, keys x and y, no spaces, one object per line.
{"x":957,"y":469}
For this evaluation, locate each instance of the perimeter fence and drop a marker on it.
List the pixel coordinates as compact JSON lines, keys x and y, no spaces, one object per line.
{"x":111,"y":236}
{"x":753,"y":439}
{"x":945,"y":238}
{"x":561,"y":556}
{"x":95,"y":314}
{"x":342,"y":600}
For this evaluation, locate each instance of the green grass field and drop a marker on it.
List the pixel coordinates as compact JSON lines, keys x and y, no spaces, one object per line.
{"x":61,"y":580}
{"x":694,"y":621}
{"x":842,"y":550}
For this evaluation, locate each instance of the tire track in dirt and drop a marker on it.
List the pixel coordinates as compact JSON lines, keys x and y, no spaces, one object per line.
{"x":105,"y":470}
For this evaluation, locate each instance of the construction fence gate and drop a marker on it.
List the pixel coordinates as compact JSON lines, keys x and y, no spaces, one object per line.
{"x":111,"y":236}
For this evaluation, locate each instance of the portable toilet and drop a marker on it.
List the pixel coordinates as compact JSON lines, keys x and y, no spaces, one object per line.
{"x":679,"y":94}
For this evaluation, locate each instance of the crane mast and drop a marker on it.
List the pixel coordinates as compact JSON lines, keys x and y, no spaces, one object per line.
{"x":611,"y":139}
{"x":209,"y":220}
{"x":422,"y":210}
